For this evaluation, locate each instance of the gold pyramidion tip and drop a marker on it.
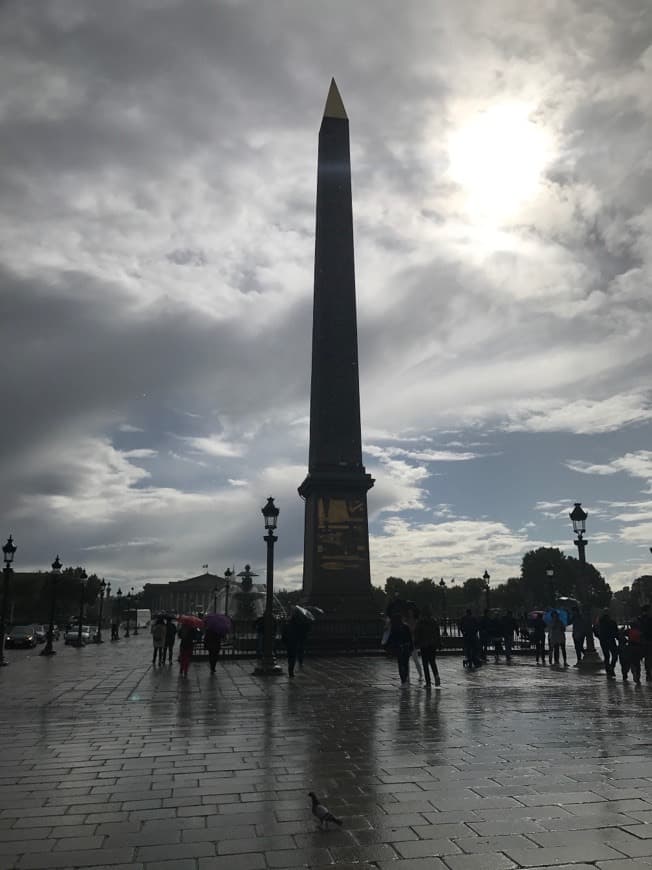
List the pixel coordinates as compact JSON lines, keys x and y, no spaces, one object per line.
{"x":334,"y":107}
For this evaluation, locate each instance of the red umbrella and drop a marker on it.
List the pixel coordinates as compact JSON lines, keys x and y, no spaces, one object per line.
{"x":194,"y":621}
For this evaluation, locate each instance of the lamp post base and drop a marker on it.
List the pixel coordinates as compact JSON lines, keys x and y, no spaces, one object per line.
{"x":267,"y":669}
{"x":48,"y":652}
{"x":591,"y":662}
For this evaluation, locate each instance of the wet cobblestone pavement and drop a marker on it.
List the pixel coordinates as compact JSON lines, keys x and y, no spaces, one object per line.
{"x":108,"y":763}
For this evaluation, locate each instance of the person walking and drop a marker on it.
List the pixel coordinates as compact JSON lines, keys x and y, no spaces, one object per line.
{"x":484,"y":632}
{"x":579,"y":634}
{"x":410,"y":619}
{"x":607,"y":633}
{"x":213,"y":643}
{"x":509,"y":626}
{"x":158,"y":638}
{"x":294,"y":637}
{"x":557,"y":638}
{"x":186,"y":643}
{"x":427,"y":639}
{"x":539,"y":637}
{"x":170,"y":637}
{"x":469,"y":631}
{"x":630,"y":652}
{"x":400,"y":640}
{"x":645,"y":626}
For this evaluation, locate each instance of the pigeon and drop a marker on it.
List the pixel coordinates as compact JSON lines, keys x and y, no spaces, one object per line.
{"x":321,"y":812}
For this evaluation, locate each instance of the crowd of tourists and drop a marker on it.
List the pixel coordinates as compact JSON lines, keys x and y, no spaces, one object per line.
{"x":165,"y":633}
{"x":413,"y":635}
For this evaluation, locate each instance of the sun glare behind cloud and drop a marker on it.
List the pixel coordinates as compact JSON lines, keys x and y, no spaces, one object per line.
{"x":497,"y":157}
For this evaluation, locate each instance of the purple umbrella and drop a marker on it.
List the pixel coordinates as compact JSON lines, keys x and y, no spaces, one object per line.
{"x":218,"y":623}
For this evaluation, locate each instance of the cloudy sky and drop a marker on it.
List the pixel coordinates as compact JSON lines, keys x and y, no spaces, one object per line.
{"x":157,"y":189}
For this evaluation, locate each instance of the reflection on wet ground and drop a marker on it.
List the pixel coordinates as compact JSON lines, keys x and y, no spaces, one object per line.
{"x":106,"y":762}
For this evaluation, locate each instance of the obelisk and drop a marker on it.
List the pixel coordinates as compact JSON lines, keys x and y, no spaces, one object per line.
{"x":336,"y":537}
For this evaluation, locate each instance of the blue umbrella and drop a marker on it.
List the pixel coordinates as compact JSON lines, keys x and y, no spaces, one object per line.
{"x":563,"y":615}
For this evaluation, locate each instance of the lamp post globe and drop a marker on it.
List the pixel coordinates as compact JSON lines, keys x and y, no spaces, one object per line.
{"x":8,"y":553}
{"x":54,"y":582}
{"x":269,"y":667}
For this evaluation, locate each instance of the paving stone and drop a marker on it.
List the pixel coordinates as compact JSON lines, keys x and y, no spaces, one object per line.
{"x":624,"y":864}
{"x":93,"y":858}
{"x":561,"y":854}
{"x":424,"y":848}
{"x":251,"y":861}
{"x":485,"y":861}
{"x":626,"y":843}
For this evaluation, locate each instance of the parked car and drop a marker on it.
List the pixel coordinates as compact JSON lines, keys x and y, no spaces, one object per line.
{"x":41,"y":633}
{"x":22,"y":636}
{"x":72,"y":634}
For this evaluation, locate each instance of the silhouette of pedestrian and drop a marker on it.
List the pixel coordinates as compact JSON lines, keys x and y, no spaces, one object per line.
{"x":170,"y":637}
{"x":469,"y":632}
{"x":539,"y":637}
{"x":186,"y":643}
{"x":557,"y":635}
{"x":607,"y":633}
{"x":427,"y":639}
{"x":400,"y":640}
{"x":213,"y":643}
{"x":158,"y":638}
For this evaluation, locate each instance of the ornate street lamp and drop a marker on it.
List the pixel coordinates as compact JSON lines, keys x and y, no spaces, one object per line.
{"x":54,"y":581}
{"x":118,"y":595}
{"x":487,"y":591}
{"x":227,"y":576}
{"x":8,"y":552}
{"x":103,"y":589}
{"x":128,"y":613}
{"x":82,"y":592}
{"x":269,"y":667}
{"x":591,"y":661}
{"x":136,"y":619}
{"x":442,"y":586}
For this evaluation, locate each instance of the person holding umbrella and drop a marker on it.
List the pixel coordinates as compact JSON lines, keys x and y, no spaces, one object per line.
{"x":557,"y":638}
{"x":295,"y":632}
{"x":217,"y":626}
{"x":187,"y":631}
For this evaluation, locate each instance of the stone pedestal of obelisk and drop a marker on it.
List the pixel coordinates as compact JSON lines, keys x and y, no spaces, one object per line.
{"x":336,"y":539}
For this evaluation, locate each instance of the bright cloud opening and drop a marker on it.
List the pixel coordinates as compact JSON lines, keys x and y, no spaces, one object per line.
{"x":497,"y":156}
